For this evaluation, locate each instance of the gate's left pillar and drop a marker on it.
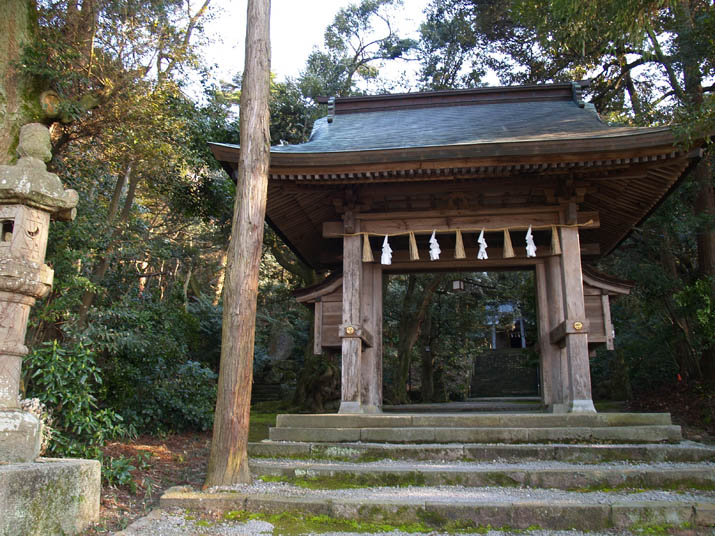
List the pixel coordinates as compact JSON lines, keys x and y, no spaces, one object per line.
{"x":29,"y":197}
{"x":350,"y":329}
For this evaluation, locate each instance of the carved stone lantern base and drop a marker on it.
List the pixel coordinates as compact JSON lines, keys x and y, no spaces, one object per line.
{"x":20,"y":436}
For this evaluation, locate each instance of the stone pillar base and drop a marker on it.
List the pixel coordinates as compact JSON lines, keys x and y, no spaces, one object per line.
{"x":582,"y":406}
{"x":557,"y":408}
{"x":358,"y":408}
{"x":20,"y":436}
{"x":49,"y":497}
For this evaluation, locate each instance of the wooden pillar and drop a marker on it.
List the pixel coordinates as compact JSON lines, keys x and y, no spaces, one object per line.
{"x":350,"y":328}
{"x":575,"y":327}
{"x":371,"y":363}
{"x":555,"y":313}
{"x":547,"y":359}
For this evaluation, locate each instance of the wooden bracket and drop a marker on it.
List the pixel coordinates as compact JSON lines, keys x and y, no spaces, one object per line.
{"x":570,"y":326}
{"x":356,"y":331}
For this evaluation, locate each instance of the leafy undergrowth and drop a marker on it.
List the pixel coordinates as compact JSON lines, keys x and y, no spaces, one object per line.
{"x":691,"y":405}
{"x":141,"y":469}
{"x":138,"y":471}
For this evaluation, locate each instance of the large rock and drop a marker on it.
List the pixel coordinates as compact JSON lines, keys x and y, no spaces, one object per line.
{"x":49,"y":497}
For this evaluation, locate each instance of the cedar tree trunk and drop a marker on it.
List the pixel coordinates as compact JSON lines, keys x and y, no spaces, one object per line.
{"x":228,"y":461}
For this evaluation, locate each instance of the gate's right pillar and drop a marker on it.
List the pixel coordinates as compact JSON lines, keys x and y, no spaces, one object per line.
{"x":573,"y":332}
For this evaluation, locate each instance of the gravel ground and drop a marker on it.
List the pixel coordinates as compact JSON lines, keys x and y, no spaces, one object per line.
{"x":175,"y":523}
{"x":460,"y":494}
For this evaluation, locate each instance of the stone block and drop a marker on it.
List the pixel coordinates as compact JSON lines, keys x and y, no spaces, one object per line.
{"x":340,"y":451}
{"x":624,"y":515}
{"x":638,"y":434}
{"x":440,"y":513}
{"x":395,"y":512}
{"x":20,"y":436}
{"x":348,"y":420}
{"x":705,"y":514}
{"x":548,"y":435}
{"x":267,"y":449}
{"x":633,"y":419}
{"x":187,"y":497}
{"x":49,"y":497}
{"x":560,"y":516}
{"x":399,"y":435}
{"x":314,"y":434}
{"x":275,"y":505}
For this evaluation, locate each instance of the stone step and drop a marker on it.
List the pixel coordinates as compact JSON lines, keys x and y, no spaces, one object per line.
{"x":557,"y":475}
{"x":455,"y":507}
{"x":427,"y":434}
{"x":478,"y":420}
{"x":685,"y":451}
{"x":516,"y":405}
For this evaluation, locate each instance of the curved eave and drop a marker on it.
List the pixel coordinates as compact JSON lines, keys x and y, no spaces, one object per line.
{"x":566,"y":149}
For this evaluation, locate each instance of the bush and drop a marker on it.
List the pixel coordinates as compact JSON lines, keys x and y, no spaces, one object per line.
{"x":67,"y":381}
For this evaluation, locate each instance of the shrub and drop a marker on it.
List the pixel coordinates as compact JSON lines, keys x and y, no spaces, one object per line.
{"x":67,"y":380}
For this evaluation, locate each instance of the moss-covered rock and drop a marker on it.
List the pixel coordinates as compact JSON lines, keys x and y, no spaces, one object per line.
{"x":49,"y":497}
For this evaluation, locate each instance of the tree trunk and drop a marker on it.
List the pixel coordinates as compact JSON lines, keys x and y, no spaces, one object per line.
{"x":427,"y":358}
{"x":115,"y":233}
{"x":414,"y":308}
{"x":702,"y":175}
{"x":18,"y":102}
{"x":228,"y":461}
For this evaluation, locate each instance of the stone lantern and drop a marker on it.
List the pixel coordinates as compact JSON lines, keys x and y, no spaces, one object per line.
{"x":29,"y":197}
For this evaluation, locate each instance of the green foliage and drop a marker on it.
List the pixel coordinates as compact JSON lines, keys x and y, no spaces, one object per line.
{"x":150,"y":379}
{"x":67,"y":380}
{"x":357,"y":43}
{"x":696,"y":301}
{"x":118,"y":472}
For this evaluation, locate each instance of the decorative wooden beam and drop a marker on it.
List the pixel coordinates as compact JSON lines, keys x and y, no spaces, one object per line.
{"x":378,"y":224}
{"x":495,"y":254}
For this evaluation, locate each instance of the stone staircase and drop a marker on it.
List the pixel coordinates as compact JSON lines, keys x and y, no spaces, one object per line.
{"x":478,"y":428}
{"x":447,"y":472}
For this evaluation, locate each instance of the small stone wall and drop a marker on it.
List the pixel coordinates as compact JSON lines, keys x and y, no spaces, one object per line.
{"x":49,"y":497}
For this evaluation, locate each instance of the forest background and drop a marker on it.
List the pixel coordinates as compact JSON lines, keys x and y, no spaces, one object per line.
{"x":129,"y":339}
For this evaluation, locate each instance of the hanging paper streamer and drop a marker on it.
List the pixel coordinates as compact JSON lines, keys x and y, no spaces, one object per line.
{"x":459,"y":252}
{"x":530,"y":246}
{"x":434,"y":250}
{"x":414,"y":254}
{"x":555,"y":244}
{"x":366,"y":250}
{"x":386,"y":252}
{"x":508,"y":248}
{"x":482,"y":254}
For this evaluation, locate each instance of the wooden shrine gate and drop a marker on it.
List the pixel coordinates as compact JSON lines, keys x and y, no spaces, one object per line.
{"x":456,"y":164}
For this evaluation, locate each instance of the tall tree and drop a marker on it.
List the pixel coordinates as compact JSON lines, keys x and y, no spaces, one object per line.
{"x":358,"y":40}
{"x":228,"y":461}
{"x":19,"y":102}
{"x":649,"y":61}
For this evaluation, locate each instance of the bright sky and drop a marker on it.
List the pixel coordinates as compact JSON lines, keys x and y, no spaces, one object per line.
{"x":296,"y":27}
